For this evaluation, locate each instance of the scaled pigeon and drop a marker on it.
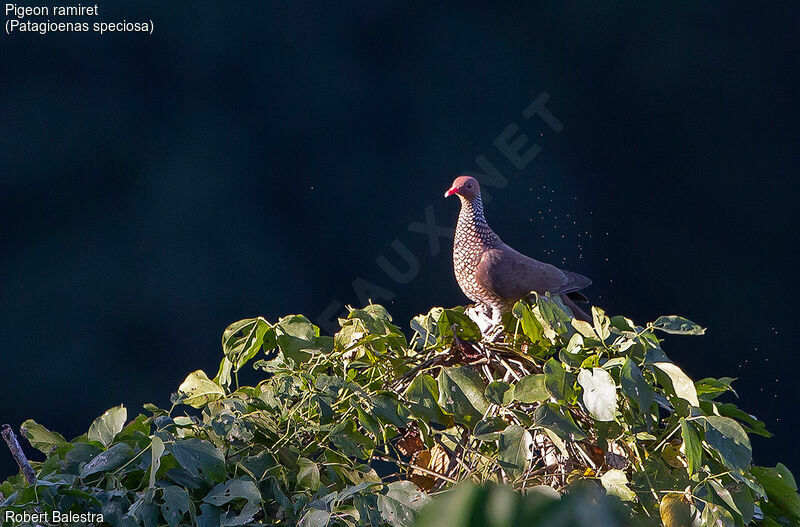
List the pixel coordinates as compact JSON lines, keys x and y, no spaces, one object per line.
{"x":494,"y":275}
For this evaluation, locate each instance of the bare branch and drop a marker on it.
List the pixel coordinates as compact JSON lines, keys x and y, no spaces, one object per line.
{"x":19,"y":455}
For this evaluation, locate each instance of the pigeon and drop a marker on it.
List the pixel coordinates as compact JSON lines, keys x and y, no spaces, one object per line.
{"x":495,"y":276}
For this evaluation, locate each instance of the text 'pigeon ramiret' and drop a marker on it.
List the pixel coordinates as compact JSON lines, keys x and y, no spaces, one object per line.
{"x":494,"y":275}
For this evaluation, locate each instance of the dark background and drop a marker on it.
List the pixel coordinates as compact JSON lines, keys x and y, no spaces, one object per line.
{"x":255,"y":160}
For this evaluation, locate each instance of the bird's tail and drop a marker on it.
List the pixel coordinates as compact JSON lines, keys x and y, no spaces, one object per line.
{"x":577,"y":312}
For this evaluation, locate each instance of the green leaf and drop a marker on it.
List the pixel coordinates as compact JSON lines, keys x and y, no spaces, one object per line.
{"x":616,"y":484}
{"x":111,"y":459}
{"x":691,"y":446}
{"x":315,"y":518}
{"x":176,"y":504}
{"x":242,"y":340}
{"x":40,"y":437}
{"x":599,"y":393}
{"x":742,"y":501}
{"x":156,"y":451}
{"x":712,"y":388}
{"x":730,"y":441}
{"x":725,"y":495}
{"x":307,"y":474}
{"x":461,"y":507}
{"x":635,"y":386}
{"x":296,"y":337}
{"x":200,"y":458}
{"x":717,"y":516}
{"x":751,"y":424}
{"x":143,"y":509}
{"x":465,"y":326}
{"x":677,"y":325}
{"x":232,"y":489}
{"x":489,"y":429}
{"x":346,"y":437}
{"x":495,"y":391}
{"x":531,"y":327}
{"x":550,"y":416}
{"x":557,"y":381}
{"x":210,"y":516}
{"x":678,"y":382}
{"x":531,"y":389}
{"x":675,"y":510}
{"x":399,"y":501}
{"x":198,"y":390}
{"x":388,"y":410}
{"x":423,"y":396}
{"x":461,"y":394}
{"x":106,"y":427}
{"x":514,"y":450}
{"x":781,"y":489}
{"x":425,"y":326}
{"x":369,"y":423}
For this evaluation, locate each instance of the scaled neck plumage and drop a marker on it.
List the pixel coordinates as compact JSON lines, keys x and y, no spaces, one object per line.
{"x":472,"y":222}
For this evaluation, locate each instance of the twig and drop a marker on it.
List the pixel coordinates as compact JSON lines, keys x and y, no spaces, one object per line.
{"x":417,"y":467}
{"x":19,"y":455}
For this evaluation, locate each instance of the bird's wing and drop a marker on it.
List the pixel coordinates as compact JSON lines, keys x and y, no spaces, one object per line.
{"x":510,"y":274}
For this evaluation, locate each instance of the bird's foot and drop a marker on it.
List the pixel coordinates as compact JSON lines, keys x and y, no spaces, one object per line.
{"x":480,"y":318}
{"x":488,"y":320}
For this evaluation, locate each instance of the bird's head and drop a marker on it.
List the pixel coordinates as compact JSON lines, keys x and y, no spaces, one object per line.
{"x":466,"y":187}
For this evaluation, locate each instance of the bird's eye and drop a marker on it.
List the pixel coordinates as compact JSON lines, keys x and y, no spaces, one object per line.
{"x":469,"y":185}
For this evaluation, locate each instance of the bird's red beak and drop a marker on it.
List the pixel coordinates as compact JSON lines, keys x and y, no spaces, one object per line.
{"x":450,"y":192}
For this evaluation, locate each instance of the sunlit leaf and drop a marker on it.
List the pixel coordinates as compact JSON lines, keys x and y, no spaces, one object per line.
{"x":675,"y":510}
{"x":315,"y":518}
{"x":616,"y":484}
{"x":198,"y":390}
{"x":600,"y":323}
{"x":750,"y":423}
{"x":678,"y":382}
{"x":106,"y":427}
{"x":296,"y":336}
{"x":156,"y":451}
{"x":677,"y":325}
{"x":242,"y":340}
{"x":599,"y":393}
{"x":692,"y":448}
{"x":40,"y":437}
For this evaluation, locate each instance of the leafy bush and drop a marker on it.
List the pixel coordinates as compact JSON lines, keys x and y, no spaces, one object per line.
{"x":587,"y":421}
